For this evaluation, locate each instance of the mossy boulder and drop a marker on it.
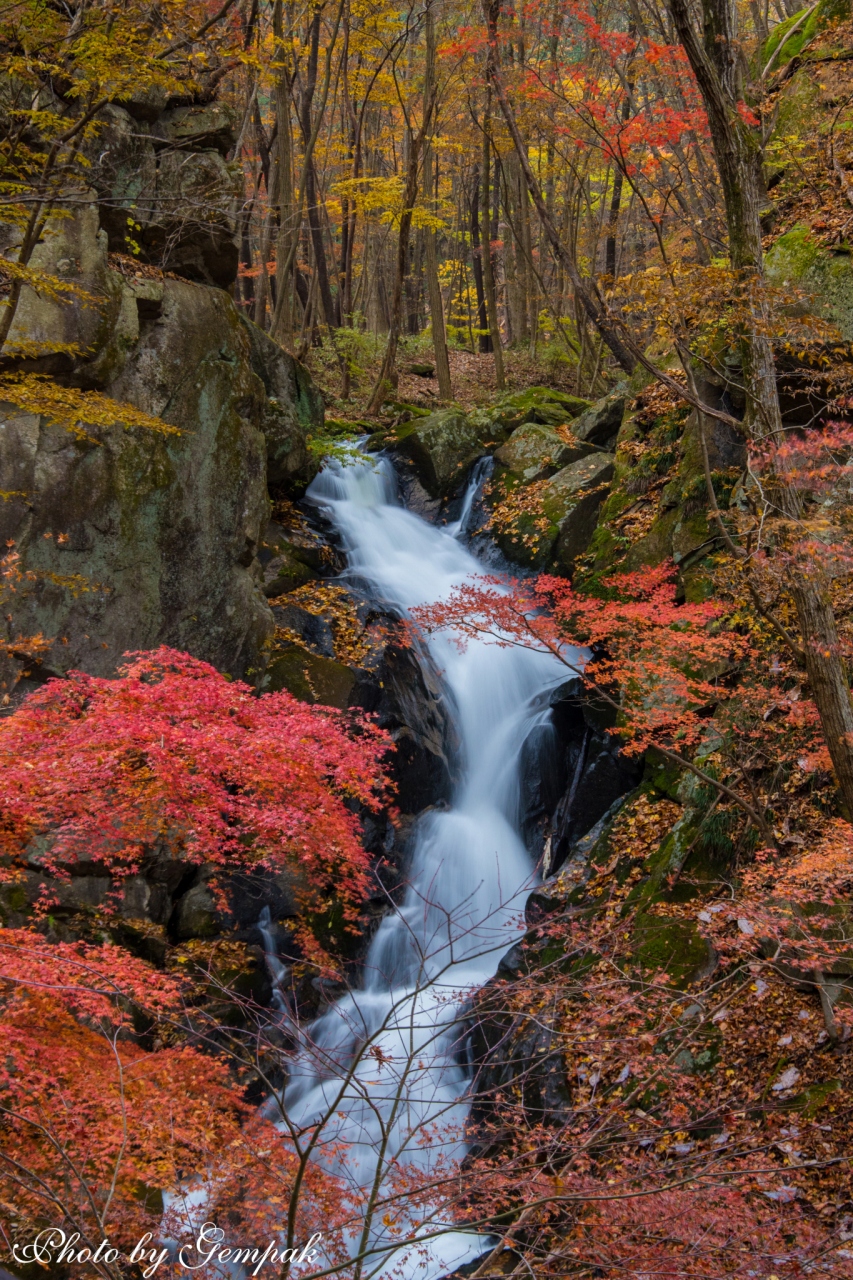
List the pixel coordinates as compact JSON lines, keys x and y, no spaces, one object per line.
{"x":165,"y":189}
{"x":572,"y":501}
{"x":797,"y":261}
{"x":290,"y":558}
{"x":310,"y":677}
{"x":74,"y":249}
{"x":803,"y":26}
{"x":672,"y":945}
{"x":443,"y":446}
{"x":561,"y":518}
{"x":134,"y":538}
{"x":544,"y":405}
{"x":533,"y":452}
{"x":657,"y":507}
{"x":599,"y":425}
{"x":293,"y":412}
{"x":159,"y":533}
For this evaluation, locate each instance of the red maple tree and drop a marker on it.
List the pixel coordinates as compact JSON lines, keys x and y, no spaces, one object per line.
{"x":173,"y":753}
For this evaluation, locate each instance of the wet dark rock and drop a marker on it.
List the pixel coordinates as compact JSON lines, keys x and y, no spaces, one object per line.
{"x":312,"y":630}
{"x":403,"y":689}
{"x":443,"y":446}
{"x":597,"y":771}
{"x":542,"y":781}
{"x":413,"y":494}
{"x":571,"y":771}
{"x":517,"y":1056}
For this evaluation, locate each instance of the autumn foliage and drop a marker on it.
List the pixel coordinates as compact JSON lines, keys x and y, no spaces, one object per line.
{"x":93,"y":1125}
{"x":173,"y":755}
{"x":655,"y":661}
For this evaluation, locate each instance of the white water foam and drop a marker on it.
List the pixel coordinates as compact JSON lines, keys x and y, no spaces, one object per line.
{"x":467,"y":883}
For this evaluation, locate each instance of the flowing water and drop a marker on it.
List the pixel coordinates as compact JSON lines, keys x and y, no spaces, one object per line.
{"x":384,"y":1060}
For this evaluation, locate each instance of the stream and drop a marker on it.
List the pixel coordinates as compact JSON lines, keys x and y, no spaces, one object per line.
{"x":398,"y":1109}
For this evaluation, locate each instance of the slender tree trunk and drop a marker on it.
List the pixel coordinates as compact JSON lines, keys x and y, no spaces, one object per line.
{"x":387,"y":379}
{"x":284,"y":187}
{"x":585,"y":290}
{"x":488,"y":261}
{"x":484,"y":337}
{"x":312,"y":210}
{"x":436,"y":305}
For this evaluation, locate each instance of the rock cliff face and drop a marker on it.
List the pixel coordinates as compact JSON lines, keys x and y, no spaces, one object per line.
{"x":164,"y":183}
{"x":133,"y":538}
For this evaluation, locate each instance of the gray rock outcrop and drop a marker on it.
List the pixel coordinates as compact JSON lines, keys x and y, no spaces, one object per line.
{"x":130,"y":538}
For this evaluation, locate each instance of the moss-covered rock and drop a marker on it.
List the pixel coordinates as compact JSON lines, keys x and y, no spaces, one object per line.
{"x":134,"y":538}
{"x":656,"y":509}
{"x":310,"y":677}
{"x":672,"y":945}
{"x":798,"y":261}
{"x":571,"y":501}
{"x":544,"y":405}
{"x":443,"y":446}
{"x":533,"y":452}
{"x":165,"y":189}
{"x":158,"y":533}
{"x":599,"y":425}
{"x":292,"y":413}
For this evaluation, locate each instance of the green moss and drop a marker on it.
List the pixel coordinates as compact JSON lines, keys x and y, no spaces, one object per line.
{"x":309,"y":677}
{"x":811,"y":1099}
{"x":801,"y":37}
{"x":794,"y":254}
{"x":661,"y":775}
{"x":675,"y":946}
{"x":538,"y":404}
{"x":656,"y":546}
{"x":13,"y":900}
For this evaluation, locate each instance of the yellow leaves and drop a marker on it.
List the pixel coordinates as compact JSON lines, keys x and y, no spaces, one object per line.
{"x":48,"y":286}
{"x":372,"y":195}
{"x":75,"y":410}
{"x":28,"y":349}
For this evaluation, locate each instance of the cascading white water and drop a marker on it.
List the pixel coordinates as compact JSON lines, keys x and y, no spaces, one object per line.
{"x":466,"y":887}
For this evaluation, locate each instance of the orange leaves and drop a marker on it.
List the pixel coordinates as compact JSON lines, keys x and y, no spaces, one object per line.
{"x":93,"y":1125}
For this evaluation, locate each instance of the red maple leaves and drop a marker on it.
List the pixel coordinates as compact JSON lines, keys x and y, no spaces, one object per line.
{"x":171,"y":753}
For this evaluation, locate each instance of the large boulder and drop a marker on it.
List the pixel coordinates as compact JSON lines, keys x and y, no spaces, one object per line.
{"x":600,"y":423}
{"x":443,"y":446}
{"x":165,"y":188}
{"x":534,"y":451}
{"x":334,"y":645}
{"x":797,"y":261}
{"x":131,"y":538}
{"x":544,"y":405}
{"x":571,"y":500}
{"x":555,"y":526}
{"x":293,"y":411}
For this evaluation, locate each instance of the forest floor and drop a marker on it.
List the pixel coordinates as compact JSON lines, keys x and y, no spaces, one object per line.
{"x":472,"y":375}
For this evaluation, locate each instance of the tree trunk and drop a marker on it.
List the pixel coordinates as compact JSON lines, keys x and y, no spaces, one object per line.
{"x":484,"y":337}
{"x":387,"y":379}
{"x":317,"y":244}
{"x":436,"y":306}
{"x":488,"y":262}
{"x":281,"y":324}
{"x":716,"y":65}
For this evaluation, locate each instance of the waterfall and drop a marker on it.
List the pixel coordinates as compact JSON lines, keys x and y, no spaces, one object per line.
{"x":466,"y":886}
